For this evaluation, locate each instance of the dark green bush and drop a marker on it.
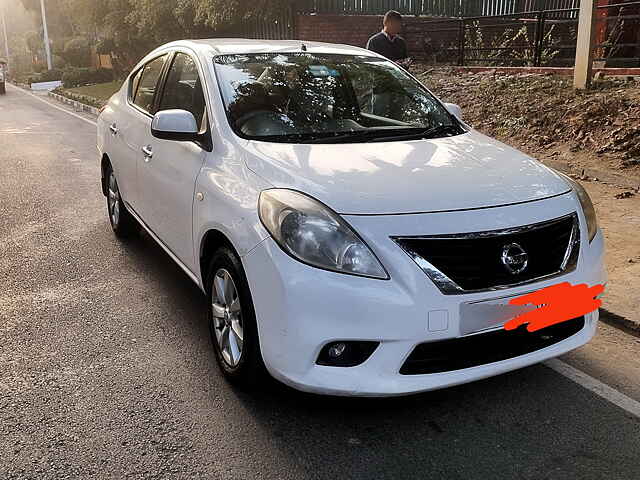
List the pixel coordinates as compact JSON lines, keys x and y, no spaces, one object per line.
{"x":106,"y":46}
{"x":51,"y":75}
{"x":77,"y":52}
{"x":34,"y":78}
{"x":76,"y":77}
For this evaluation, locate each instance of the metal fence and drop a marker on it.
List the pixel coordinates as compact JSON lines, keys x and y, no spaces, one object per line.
{"x":282,"y":28}
{"x":432,"y":8}
{"x":499,"y":33}
{"x":533,"y":38}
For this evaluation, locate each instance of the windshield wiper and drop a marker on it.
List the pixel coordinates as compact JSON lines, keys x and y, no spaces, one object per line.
{"x":434,"y":132}
{"x":380,"y":135}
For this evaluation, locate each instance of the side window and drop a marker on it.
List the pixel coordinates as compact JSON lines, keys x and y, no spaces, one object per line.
{"x":133,"y":86}
{"x":183,"y":89}
{"x":147,"y":84}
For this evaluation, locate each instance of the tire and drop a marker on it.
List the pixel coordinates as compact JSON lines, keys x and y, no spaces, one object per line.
{"x":235,"y":318}
{"x":122,"y":223}
{"x":2,"y":89}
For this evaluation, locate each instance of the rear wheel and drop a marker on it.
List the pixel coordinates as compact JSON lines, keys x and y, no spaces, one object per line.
{"x":122,"y":223}
{"x":232,"y":320}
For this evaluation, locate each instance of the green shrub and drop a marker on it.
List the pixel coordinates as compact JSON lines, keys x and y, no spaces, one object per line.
{"x":51,"y":75}
{"x":106,"y":46}
{"x":77,"y":77}
{"x":34,"y":78}
{"x":58,"y":62}
{"x":87,"y":100}
{"x":77,"y":52}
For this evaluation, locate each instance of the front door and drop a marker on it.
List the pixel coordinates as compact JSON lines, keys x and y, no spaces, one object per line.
{"x":167,"y":179}
{"x":132,"y":131}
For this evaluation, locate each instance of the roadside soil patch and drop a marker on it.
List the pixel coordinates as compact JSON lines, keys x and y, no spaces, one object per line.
{"x":544,"y":116}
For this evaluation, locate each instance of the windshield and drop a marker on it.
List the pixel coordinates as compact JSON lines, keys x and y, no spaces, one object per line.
{"x":301,"y":97}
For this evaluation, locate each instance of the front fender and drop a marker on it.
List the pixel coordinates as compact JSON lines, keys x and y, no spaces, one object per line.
{"x":229,"y":206}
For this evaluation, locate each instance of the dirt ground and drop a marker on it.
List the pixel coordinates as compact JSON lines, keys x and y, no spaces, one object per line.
{"x":620,"y":222}
{"x":547,"y":119}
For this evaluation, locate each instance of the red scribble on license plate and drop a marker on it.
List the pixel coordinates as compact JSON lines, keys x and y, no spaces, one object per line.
{"x":556,"y":304}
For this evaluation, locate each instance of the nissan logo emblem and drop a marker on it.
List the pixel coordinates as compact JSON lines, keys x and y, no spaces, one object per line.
{"x":514,"y":258}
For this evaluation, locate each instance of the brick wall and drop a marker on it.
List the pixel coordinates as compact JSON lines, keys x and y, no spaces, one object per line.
{"x":357,"y":29}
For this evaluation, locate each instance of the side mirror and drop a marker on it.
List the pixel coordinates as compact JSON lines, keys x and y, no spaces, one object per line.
{"x":177,"y":125}
{"x":454,"y":110}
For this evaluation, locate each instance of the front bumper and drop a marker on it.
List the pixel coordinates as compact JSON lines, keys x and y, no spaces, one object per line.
{"x":300,"y":308}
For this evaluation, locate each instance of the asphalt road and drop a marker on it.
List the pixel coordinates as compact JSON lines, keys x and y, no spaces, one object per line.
{"x":106,"y":369}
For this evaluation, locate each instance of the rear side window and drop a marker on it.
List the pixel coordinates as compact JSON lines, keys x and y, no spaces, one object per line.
{"x":183,"y":89}
{"x":148,"y":83}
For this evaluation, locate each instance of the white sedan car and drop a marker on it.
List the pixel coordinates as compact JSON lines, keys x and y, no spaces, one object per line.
{"x":352,"y":234}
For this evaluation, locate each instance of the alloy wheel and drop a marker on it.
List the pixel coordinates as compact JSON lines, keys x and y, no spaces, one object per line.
{"x":114,"y":200}
{"x":227,"y":317}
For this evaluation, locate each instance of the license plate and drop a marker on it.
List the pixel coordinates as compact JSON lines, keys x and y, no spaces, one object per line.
{"x":489,"y":314}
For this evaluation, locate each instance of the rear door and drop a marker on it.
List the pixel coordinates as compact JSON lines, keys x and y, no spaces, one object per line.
{"x":167,"y":180}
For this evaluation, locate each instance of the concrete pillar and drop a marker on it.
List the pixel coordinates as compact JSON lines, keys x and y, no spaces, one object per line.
{"x":584,"y":48}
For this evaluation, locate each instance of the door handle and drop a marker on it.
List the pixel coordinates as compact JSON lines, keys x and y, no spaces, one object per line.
{"x":113,"y":128}
{"x":147,"y":152}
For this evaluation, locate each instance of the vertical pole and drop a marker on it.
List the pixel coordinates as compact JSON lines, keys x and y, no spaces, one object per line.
{"x":6,"y":37}
{"x":537,"y":56}
{"x":461,"y":32}
{"x":47,"y":48}
{"x":584,"y":47}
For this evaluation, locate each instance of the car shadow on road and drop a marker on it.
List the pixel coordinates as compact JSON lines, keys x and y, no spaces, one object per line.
{"x":532,"y":419}
{"x":531,"y":423}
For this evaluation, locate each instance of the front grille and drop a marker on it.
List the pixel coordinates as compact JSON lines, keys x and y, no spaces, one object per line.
{"x":473,"y":261}
{"x":484,"y":348}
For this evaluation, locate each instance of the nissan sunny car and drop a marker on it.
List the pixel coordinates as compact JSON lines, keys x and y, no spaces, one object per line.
{"x":353,"y":235}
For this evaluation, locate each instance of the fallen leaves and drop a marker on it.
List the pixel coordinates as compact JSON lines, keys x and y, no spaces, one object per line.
{"x":539,"y":111}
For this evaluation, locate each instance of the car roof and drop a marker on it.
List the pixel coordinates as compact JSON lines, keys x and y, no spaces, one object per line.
{"x":226,"y":46}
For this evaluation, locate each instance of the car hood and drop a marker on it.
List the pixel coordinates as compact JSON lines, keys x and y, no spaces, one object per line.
{"x":455,"y":173}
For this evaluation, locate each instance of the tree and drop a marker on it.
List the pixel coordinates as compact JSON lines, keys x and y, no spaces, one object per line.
{"x":77,"y":52}
{"x":222,"y":14}
{"x":59,"y":16}
{"x":133,"y":27}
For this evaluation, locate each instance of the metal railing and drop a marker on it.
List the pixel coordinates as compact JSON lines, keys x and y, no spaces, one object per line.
{"x":433,"y":8}
{"x":282,"y":28}
{"x":533,"y":38}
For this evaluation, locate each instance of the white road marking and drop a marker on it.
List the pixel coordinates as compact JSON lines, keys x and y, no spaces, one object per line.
{"x":619,"y":399}
{"x":53,"y":106}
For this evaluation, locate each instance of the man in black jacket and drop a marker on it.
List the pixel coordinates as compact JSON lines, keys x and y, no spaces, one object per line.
{"x":387,"y":42}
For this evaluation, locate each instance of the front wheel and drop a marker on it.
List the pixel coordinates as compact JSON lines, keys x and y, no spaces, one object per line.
{"x":232,"y":320}
{"x":2,"y":89}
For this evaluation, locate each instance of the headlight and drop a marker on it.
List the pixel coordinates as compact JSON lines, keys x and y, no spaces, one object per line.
{"x":587,"y":207}
{"x":313,"y":234}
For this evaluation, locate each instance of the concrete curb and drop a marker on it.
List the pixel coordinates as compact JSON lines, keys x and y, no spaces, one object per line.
{"x":621,"y":323}
{"x":77,"y":106}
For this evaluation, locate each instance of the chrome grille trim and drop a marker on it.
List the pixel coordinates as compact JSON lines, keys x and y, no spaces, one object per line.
{"x":449,"y":287}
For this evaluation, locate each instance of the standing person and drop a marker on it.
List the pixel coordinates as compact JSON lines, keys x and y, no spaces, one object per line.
{"x":388,"y":42}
